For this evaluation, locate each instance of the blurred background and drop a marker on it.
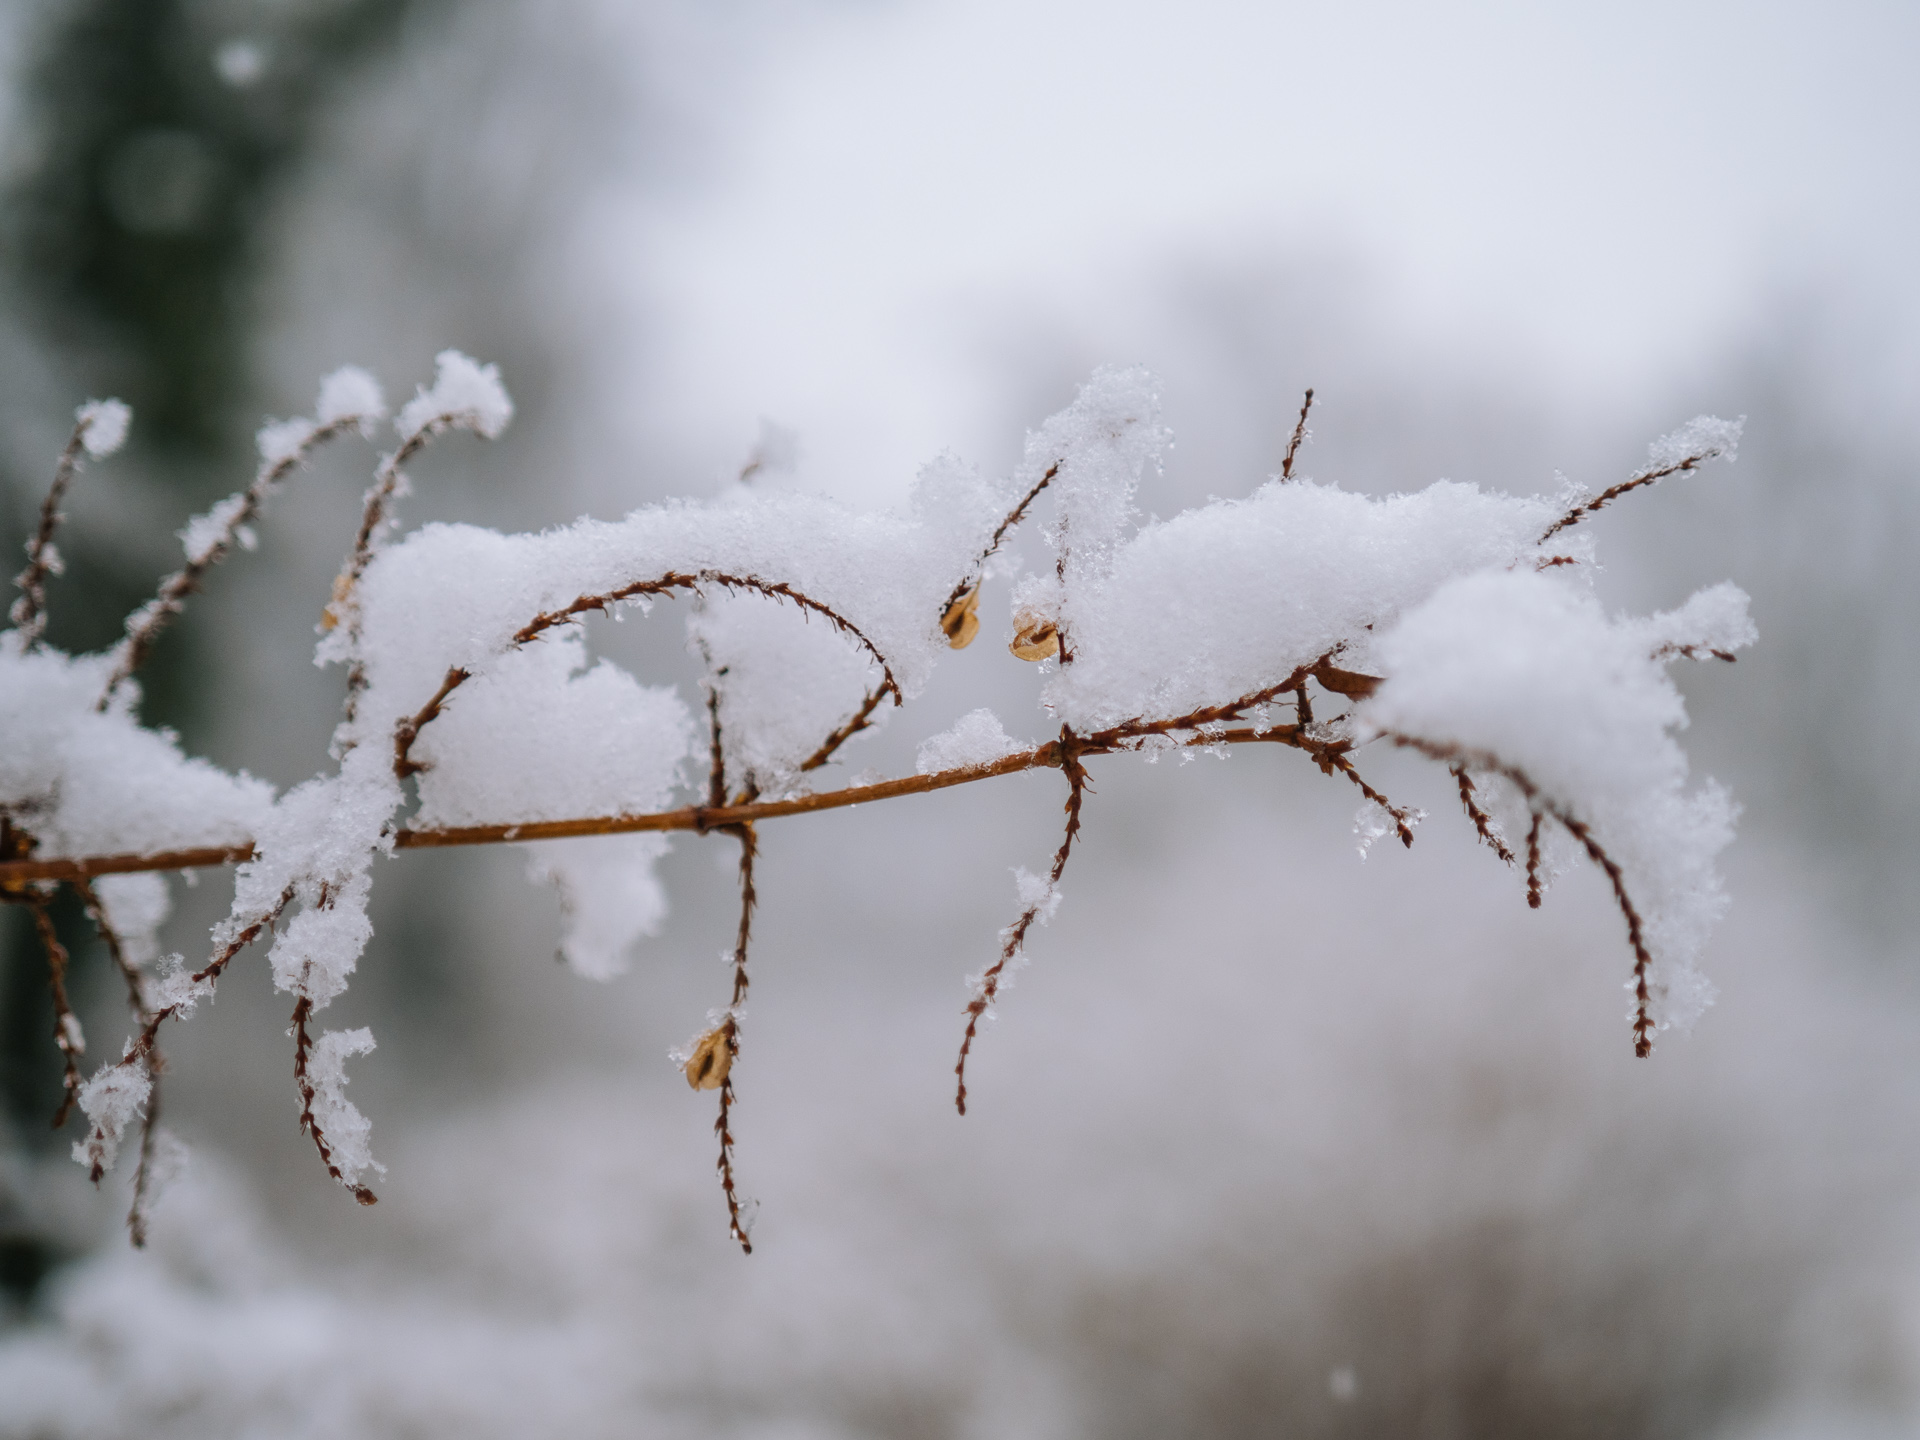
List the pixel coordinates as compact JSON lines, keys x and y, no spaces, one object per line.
{"x":1267,"y":1141}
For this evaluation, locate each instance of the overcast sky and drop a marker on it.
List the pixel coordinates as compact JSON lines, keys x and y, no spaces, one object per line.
{"x":1597,"y":194}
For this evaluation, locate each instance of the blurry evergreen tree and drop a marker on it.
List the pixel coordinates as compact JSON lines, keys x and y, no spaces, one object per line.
{"x":153,"y":137}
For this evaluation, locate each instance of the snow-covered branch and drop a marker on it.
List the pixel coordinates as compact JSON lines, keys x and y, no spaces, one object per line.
{"x":1438,"y":619}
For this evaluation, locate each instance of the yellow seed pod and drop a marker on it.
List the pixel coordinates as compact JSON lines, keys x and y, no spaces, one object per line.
{"x":962,"y":620}
{"x":1034,"y":637}
{"x":712,"y":1058}
{"x":342,"y":588}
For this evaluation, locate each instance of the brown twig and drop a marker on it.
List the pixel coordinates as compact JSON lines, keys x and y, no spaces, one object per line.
{"x":29,"y":612}
{"x":309,"y":1123}
{"x":1612,"y":493}
{"x":1071,"y":747}
{"x":407,"y":731}
{"x":695,"y":818}
{"x":861,"y":719}
{"x":66,"y":1026}
{"x":374,"y":516}
{"x":716,"y":753}
{"x":1482,"y":822}
{"x":1299,"y":434}
{"x":145,"y":624}
{"x":138,"y":1212}
{"x":730,"y":1029}
{"x":1544,"y":805}
{"x":143,"y":1049}
{"x":1127,"y":730}
{"x":116,"y":952}
{"x":1014,"y":517}
{"x":1694,"y":652}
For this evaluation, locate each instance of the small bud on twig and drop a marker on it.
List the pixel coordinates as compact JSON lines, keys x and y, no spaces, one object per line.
{"x":961,"y":622}
{"x":1034,"y":637}
{"x":707,"y":1065}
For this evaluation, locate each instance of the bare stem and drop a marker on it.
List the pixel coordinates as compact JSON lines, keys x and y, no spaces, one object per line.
{"x":66,"y":1026}
{"x":138,"y":1212}
{"x":730,"y":1030}
{"x":1299,"y":435}
{"x":309,"y":1123}
{"x":1649,"y":476}
{"x":29,"y":613}
{"x":1014,"y":517}
{"x":145,"y":624}
{"x":1544,"y":805}
{"x":1482,"y":822}
{"x":408,"y":730}
{"x":1071,"y":747}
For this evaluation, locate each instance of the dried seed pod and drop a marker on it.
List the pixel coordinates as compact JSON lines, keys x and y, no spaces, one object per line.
{"x":342,"y":588}
{"x":961,"y":622}
{"x":1034,"y":636}
{"x":1350,"y":683}
{"x":712,"y":1058}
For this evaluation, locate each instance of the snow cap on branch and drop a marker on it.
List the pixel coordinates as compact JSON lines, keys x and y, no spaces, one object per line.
{"x":1527,"y":672}
{"x":103,"y":426}
{"x":1705,"y":437}
{"x":350,"y":393}
{"x":463,"y":391}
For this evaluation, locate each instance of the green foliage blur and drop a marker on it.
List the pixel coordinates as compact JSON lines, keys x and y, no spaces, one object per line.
{"x":152,"y":139}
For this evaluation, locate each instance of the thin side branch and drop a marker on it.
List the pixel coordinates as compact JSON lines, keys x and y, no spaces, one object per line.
{"x":29,"y":612}
{"x":145,"y":624}
{"x":861,"y":719}
{"x":730,"y":1033}
{"x":1071,"y":747}
{"x":1694,"y":652}
{"x":1544,"y":805}
{"x":716,"y":752}
{"x":408,"y":730}
{"x":141,"y":1208}
{"x":1299,"y":435}
{"x":1606,"y":497}
{"x":309,"y":1123}
{"x":1482,"y":822}
{"x":1014,"y":517}
{"x":143,"y":1050}
{"x":66,"y":1026}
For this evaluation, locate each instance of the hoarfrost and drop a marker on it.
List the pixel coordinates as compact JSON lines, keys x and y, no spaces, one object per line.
{"x":112,"y":1100}
{"x":346,"y":1129}
{"x":1037,"y":893}
{"x":1703,"y":437}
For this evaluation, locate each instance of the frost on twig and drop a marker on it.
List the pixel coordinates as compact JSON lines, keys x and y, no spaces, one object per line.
{"x":349,"y":400}
{"x":1299,"y":616}
{"x":99,"y":429}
